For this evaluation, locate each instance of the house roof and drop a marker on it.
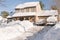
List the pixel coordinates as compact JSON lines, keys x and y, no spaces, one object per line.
{"x":28,"y":4}
{"x":42,"y":13}
{"x":24,"y":14}
{"x":48,"y":13}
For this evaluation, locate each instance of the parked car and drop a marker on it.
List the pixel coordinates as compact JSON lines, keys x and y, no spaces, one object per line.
{"x":51,"y":21}
{"x":41,"y":22}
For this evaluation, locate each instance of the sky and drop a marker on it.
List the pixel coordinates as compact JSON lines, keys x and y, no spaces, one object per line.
{"x":11,"y":4}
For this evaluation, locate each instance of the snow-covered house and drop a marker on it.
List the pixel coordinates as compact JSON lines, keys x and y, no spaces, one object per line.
{"x":32,"y":11}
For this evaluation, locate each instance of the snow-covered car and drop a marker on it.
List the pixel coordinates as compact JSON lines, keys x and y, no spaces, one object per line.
{"x":51,"y":21}
{"x":41,"y":22}
{"x":50,"y":24}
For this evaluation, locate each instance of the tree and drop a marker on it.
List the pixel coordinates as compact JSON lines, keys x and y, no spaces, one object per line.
{"x":41,"y":4}
{"x":4,"y":14}
{"x":54,"y":7}
{"x":57,"y":2}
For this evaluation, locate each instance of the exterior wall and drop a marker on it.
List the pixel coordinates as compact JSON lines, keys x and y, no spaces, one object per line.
{"x":30,"y":18}
{"x":38,"y":8}
{"x":43,"y":17}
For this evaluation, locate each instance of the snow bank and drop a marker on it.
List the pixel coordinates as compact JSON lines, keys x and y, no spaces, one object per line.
{"x":53,"y":33}
{"x":14,"y":29}
{"x":27,"y":24}
{"x":9,"y":33}
{"x":24,"y":24}
{"x":1,"y":18}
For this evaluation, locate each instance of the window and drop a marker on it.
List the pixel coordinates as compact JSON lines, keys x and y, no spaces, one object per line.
{"x":22,"y":10}
{"x":27,"y":9}
{"x":33,"y":9}
{"x":17,"y":10}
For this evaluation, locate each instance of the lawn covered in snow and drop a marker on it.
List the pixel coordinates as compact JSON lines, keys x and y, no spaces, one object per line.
{"x":14,"y":29}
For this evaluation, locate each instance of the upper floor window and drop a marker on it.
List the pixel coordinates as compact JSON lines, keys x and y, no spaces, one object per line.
{"x":27,"y":9}
{"x":33,"y":9}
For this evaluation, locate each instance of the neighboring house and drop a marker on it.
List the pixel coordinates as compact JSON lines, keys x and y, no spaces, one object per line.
{"x":32,"y":11}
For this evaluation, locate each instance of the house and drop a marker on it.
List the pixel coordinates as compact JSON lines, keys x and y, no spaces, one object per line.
{"x":32,"y":11}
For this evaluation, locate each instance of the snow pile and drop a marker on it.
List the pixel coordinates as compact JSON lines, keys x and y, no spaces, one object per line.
{"x":3,"y":21}
{"x":14,"y":29}
{"x":14,"y":22}
{"x":52,"y":19}
{"x":53,"y":33}
{"x":27,"y":24}
{"x":18,"y":27}
{"x":24,"y":24}
{"x":1,"y":18}
{"x":8,"y":33}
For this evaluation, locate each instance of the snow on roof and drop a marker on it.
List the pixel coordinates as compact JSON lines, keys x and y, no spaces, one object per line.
{"x":24,"y":14}
{"x":28,"y":4}
{"x":42,"y":13}
{"x":48,"y":13}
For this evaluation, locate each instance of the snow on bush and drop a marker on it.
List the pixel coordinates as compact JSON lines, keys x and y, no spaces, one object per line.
{"x":53,"y":33}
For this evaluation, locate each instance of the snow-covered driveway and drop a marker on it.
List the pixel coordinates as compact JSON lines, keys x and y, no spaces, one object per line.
{"x":40,"y":34}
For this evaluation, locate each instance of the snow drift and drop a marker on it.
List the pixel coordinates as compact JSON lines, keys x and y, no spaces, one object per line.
{"x":14,"y":29}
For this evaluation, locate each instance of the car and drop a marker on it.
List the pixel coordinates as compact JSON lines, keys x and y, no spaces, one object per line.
{"x":51,"y":21}
{"x":50,"y":24}
{"x":41,"y":22}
